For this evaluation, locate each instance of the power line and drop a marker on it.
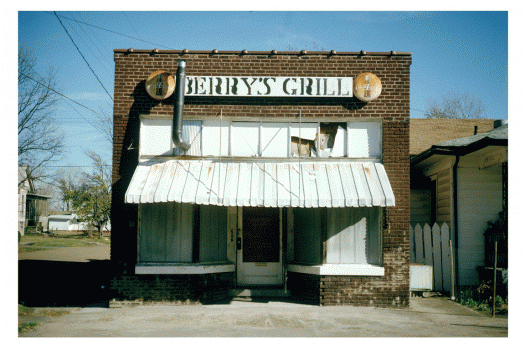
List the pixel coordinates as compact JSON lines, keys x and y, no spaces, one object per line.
{"x":111,"y":31}
{"x":88,"y":46}
{"x":83,"y":56}
{"x":27,"y":76}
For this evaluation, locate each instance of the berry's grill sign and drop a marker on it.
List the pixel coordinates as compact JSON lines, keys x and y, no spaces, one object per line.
{"x":268,"y":86}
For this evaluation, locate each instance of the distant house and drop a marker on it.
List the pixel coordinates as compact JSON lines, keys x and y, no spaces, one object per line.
{"x":69,"y":221}
{"x":33,"y":208}
{"x":61,"y":222}
{"x":459,"y":177}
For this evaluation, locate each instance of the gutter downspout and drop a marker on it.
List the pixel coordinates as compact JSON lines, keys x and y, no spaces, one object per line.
{"x":456,"y":224}
{"x":178,"y":107}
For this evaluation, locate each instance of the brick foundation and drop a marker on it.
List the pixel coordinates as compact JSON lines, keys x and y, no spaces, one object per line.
{"x":187,"y":289}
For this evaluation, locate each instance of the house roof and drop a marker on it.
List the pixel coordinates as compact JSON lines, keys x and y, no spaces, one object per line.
{"x":500,"y":133}
{"x":424,"y":133}
{"x":466,"y":145}
{"x":61,"y":217}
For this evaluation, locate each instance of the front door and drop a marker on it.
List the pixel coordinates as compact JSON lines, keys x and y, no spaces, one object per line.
{"x":259,"y":247}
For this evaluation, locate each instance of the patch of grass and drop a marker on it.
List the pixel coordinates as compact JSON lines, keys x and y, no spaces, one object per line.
{"x":26,"y":326}
{"x":24,"y":310}
{"x":53,"y":312}
{"x":30,"y":249}
{"x":77,"y":240}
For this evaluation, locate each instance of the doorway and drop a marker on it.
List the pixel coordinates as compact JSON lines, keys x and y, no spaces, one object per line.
{"x":259,"y":247}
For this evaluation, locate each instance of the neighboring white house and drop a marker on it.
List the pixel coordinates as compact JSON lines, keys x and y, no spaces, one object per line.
{"x":32,"y":207}
{"x":463,"y":182}
{"x":23,"y":189}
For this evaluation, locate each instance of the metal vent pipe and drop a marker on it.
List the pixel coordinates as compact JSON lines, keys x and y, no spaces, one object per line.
{"x":179,"y":105}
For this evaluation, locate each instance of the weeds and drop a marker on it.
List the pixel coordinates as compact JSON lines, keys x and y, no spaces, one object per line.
{"x":24,"y":310}
{"x":480,"y":298}
{"x":26,"y":326}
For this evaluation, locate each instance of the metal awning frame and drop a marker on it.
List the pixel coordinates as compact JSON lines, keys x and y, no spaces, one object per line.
{"x":307,"y":183}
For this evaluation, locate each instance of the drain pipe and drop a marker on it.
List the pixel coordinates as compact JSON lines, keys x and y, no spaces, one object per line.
{"x":178,"y":107}
{"x":456,"y":224}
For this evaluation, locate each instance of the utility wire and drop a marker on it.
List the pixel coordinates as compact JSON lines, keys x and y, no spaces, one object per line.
{"x":27,"y":76}
{"x":88,"y":45}
{"x":83,"y":56}
{"x":111,"y":31}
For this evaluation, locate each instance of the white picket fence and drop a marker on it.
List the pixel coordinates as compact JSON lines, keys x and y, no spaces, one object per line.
{"x":430,"y":246}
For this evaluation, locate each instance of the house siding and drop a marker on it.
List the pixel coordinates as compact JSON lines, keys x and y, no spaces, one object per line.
{"x":444,"y":196}
{"x":391,"y":108}
{"x":420,"y":206}
{"x":479,"y":201}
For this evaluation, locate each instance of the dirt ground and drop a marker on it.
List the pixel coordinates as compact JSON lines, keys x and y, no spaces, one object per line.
{"x":78,"y":286}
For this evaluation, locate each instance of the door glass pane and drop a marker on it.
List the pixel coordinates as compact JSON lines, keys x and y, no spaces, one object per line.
{"x":261,"y":234}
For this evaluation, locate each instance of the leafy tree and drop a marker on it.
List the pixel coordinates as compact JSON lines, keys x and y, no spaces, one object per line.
{"x":456,"y":106}
{"x":91,"y":197}
{"x":39,"y":140}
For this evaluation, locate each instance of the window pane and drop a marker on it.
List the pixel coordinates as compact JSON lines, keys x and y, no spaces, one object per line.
{"x":245,"y":139}
{"x":166,"y":232}
{"x":307,"y":235}
{"x":213,"y":233}
{"x":155,"y":137}
{"x":215,"y":137}
{"x":353,"y":236}
{"x":274,"y":140}
{"x":364,"y":139}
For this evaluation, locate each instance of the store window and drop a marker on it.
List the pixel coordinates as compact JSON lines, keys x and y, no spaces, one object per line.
{"x":171,"y":233}
{"x":353,"y":235}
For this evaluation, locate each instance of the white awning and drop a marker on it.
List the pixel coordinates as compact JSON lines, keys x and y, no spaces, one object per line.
{"x":261,"y":183}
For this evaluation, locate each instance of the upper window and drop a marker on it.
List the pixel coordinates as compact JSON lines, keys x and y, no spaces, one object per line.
{"x":213,"y":138}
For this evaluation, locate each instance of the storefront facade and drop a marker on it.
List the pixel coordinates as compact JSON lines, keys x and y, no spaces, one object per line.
{"x":284,"y":172}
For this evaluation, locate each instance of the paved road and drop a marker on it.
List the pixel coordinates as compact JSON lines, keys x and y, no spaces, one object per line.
{"x":427,"y":317}
{"x":430,"y":317}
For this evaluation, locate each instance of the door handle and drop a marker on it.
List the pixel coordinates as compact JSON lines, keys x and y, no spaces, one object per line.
{"x":239,"y":246}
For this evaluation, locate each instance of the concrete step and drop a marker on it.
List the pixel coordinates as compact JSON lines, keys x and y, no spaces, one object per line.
{"x":259,"y":292}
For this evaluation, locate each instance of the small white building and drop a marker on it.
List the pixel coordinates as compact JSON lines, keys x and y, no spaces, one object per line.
{"x":70,"y":222}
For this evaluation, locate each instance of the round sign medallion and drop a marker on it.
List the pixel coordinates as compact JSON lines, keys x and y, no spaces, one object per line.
{"x":160,"y":85}
{"x":367,"y":87}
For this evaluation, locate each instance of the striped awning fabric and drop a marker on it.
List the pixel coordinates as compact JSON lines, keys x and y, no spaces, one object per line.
{"x":261,"y":183}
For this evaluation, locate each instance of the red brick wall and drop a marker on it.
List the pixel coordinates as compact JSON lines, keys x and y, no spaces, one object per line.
{"x":131,"y":100}
{"x":193,"y":289}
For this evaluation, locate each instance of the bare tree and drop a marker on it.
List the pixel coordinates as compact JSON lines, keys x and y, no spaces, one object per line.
{"x":456,"y":106}
{"x":39,"y":140}
{"x":104,"y":125}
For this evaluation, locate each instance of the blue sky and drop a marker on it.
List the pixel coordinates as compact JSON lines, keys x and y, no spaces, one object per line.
{"x":453,"y":52}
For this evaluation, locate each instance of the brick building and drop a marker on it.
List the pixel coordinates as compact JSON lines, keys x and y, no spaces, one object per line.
{"x":274,"y":173}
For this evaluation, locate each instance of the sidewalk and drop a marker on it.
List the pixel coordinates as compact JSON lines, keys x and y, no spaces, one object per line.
{"x":427,"y":317}
{"x":76,"y":276}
